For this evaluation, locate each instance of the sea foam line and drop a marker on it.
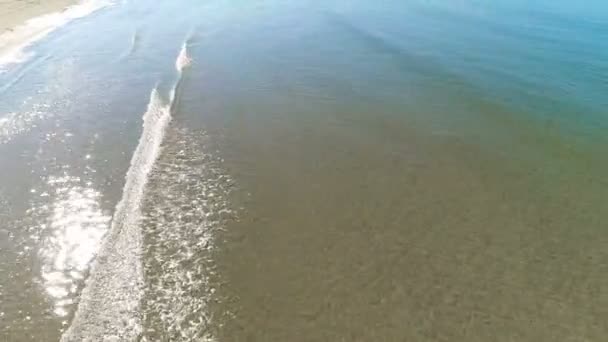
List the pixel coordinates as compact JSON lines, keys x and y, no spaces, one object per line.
{"x":13,"y":43}
{"x":109,"y":308}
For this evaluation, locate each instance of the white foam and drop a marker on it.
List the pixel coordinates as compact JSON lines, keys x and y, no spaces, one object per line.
{"x":182,"y":62}
{"x":183,"y":59}
{"x":185,"y":205}
{"x":13,"y":43}
{"x":109,"y":308}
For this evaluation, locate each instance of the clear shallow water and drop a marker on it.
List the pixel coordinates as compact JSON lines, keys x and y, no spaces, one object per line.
{"x":330,"y":171}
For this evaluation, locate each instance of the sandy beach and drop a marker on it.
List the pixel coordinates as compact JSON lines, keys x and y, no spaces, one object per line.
{"x":17,"y":12}
{"x":24,"y":22}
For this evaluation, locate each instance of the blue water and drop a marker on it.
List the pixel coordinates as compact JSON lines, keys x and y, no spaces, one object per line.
{"x":542,"y":61}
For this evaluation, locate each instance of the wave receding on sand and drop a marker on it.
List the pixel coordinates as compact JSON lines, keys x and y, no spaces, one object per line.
{"x":15,"y":39}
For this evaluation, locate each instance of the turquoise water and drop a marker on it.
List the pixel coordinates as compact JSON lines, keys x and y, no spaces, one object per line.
{"x":317,"y":171}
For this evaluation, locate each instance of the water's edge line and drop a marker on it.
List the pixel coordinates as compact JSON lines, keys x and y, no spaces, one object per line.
{"x":109,"y":308}
{"x":13,"y":42}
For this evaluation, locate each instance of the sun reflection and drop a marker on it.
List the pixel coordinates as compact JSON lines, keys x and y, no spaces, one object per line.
{"x":75,"y":228}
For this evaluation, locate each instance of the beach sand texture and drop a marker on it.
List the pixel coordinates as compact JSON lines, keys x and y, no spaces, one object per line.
{"x":24,"y":22}
{"x":17,"y":12}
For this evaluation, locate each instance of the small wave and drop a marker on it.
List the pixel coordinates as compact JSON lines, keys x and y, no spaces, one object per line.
{"x":109,"y":308}
{"x":382,"y":43}
{"x":181,"y":63}
{"x":133,"y":45}
{"x":183,"y":59}
{"x":14,"y":43}
{"x":22,"y":72}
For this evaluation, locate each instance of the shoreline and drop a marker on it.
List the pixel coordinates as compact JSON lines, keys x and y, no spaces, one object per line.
{"x":29,"y":23}
{"x":14,"y":13}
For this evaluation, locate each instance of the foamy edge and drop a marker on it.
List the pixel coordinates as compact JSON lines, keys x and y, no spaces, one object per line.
{"x":109,"y":308}
{"x":14,"y":43}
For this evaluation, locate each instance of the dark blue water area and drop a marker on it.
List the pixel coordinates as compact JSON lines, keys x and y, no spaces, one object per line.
{"x":534,"y":61}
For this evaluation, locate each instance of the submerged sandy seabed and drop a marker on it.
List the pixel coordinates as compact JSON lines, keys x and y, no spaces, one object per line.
{"x":17,"y":12}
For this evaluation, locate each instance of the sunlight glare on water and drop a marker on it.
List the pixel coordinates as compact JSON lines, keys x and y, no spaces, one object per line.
{"x":74,"y":229}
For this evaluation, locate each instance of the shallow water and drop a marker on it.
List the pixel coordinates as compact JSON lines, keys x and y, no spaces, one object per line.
{"x":334,"y":170}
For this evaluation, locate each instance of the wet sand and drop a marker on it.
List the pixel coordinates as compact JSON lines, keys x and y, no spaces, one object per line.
{"x":16,"y":12}
{"x":25,"y":22}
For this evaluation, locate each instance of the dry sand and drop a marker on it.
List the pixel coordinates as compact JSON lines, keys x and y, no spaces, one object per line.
{"x":17,"y":12}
